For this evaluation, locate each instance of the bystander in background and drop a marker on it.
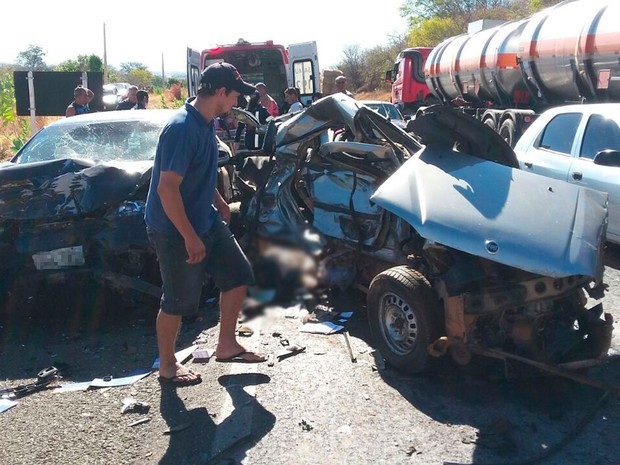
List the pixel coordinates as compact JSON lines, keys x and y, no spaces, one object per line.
{"x":142,"y":100}
{"x":252,"y":139}
{"x":130,"y":101}
{"x":341,"y":86}
{"x":267,"y":100}
{"x":291,"y":95}
{"x":82,"y":96}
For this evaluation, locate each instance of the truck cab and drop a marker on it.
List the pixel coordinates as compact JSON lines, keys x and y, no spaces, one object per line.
{"x":409,"y":89}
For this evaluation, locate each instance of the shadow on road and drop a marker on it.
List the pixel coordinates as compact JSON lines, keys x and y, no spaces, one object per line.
{"x":85,"y":329}
{"x":198,"y":439}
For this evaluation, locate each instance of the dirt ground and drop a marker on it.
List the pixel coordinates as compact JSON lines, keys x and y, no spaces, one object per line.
{"x":314,"y":407}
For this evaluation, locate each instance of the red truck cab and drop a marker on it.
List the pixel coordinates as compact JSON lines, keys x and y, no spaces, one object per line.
{"x":409,"y":89}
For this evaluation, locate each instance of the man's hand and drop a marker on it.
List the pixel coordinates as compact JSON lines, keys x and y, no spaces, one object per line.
{"x":196,"y":251}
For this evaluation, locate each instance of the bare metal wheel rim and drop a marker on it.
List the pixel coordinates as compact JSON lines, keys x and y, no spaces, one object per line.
{"x":399,"y":325}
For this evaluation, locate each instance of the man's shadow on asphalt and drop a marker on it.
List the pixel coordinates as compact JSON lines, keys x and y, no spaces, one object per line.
{"x":196,"y":438}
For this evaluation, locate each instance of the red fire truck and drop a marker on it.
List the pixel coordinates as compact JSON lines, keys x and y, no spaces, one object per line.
{"x":277,"y":66}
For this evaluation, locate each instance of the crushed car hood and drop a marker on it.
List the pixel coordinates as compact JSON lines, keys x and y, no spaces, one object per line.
{"x":67,"y":187}
{"x":498,"y":212}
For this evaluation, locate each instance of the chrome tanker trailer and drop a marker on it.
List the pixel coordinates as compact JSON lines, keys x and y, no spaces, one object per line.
{"x":507,"y":75}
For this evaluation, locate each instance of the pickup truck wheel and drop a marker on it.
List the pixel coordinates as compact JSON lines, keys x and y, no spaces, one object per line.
{"x":508,"y":132}
{"x":404,"y":317}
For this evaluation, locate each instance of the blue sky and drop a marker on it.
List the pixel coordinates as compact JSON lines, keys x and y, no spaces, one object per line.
{"x":143,"y":31}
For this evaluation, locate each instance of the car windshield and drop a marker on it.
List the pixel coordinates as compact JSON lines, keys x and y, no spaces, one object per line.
{"x":98,"y":140}
{"x":385,"y":110}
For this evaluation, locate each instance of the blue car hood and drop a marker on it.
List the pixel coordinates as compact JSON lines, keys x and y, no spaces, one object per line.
{"x":500,"y":213}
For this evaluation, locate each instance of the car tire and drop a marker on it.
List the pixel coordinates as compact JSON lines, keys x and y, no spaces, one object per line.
{"x":508,"y":132}
{"x":404,"y":316}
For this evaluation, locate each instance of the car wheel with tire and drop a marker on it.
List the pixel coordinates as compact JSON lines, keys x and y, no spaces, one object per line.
{"x":404,"y":316}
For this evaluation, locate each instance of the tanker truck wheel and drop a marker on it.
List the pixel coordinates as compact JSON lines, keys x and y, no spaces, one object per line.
{"x":404,"y":316}
{"x":508,"y":132}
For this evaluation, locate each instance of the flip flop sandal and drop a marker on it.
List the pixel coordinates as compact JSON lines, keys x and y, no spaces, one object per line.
{"x":185,"y":379}
{"x":241,"y":358}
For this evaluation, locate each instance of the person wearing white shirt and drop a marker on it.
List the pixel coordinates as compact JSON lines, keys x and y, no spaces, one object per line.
{"x":291,"y":95}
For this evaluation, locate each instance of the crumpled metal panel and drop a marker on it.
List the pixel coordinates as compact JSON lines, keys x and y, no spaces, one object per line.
{"x":500,"y":213}
{"x":66,"y":188}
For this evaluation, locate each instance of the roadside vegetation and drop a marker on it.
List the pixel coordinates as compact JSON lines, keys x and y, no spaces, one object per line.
{"x":430,"y":22}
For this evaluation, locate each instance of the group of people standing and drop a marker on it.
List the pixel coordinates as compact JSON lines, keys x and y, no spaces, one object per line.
{"x":264,"y":107}
{"x":82,"y":96}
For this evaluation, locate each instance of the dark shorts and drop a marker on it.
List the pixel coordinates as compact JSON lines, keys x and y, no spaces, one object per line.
{"x":182,"y":282}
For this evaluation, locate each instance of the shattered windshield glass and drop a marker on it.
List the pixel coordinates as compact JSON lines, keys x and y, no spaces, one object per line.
{"x":100,"y":141}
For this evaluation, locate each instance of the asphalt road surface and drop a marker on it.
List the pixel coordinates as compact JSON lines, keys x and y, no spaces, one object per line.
{"x":317,"y":406}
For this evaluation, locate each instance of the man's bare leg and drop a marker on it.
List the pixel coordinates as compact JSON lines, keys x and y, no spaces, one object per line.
{"x":167,"y":331}
{"x":230,"y":306}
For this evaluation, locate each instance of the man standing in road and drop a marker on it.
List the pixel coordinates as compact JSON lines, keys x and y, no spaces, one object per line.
{"x":186,"y":220}
{"x":130,"y":101}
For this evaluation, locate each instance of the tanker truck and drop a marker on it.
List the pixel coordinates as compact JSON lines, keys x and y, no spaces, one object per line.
{"x":507,"y":75}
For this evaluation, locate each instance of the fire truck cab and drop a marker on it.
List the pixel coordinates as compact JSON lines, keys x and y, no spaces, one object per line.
{"x":277,"y":66}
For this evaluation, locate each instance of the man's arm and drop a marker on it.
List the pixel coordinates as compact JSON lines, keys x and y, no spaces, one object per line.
{"x":171,"y":201}
{"x":70,"y":111}
{"x":90,"y":94}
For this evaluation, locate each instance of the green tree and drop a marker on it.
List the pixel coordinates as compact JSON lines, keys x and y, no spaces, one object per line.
{"x":130,"y":66}
{"x":140,"y":77}
{"x":82,"y":63}
{"x":429,"y":32}
{"x":68,"y":65}
{"x":32,"y":58}
{"x":352,"y":65}
{"x":465,"y":9}
{"x":95,"y":64}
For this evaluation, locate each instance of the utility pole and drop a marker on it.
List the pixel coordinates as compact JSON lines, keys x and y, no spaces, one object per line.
{"x":105,"y":58}
{"x":163,"y":75}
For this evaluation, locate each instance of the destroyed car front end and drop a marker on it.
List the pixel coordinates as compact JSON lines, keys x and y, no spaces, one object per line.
{"x":72,"y":202}
{"x":458,"y":250}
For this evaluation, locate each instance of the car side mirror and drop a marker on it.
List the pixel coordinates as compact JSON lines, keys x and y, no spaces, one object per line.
{"x":407,"y":117}
{"x":388,"y":76}
{"x":607,"y":158}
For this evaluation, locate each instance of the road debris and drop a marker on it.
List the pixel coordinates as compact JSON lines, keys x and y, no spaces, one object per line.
{"x":44,"y":378}
{"x":178,"y":428}
{"x":305,"y":425}
{"x":290,"y":351}
{"x":129,"y":404}
{"x":346,"y":339}
{"x":202,"y":355}
{"x":139,"y":421}
{"x":245,"y":331}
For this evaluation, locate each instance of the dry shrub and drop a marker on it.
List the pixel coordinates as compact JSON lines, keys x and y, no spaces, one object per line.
{"x":175,"y":90}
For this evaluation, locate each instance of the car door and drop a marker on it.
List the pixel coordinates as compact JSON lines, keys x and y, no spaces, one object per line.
{"x":601,"y":133}
{"x":551,"y":152}
{"x":193,"y":71}
{"x":304,"y":69}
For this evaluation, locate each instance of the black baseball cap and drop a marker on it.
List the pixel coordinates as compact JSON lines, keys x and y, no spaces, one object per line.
{"x":224,"y":75}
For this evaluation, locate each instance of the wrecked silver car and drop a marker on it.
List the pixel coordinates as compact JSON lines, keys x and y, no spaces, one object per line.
{"x":72,"y":203}
{"x":458,"y":250}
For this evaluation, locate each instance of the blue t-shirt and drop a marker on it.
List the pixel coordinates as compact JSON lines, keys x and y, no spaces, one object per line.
{"x":187,"y":146}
